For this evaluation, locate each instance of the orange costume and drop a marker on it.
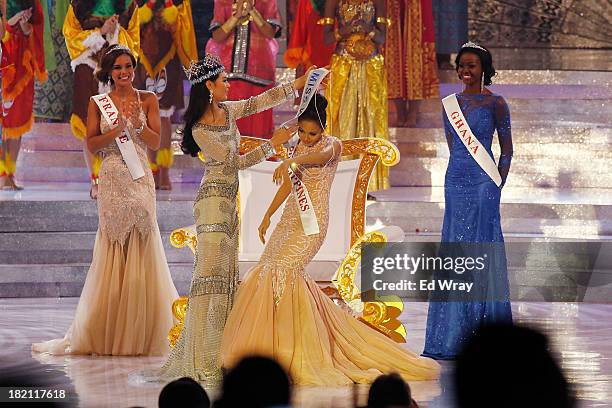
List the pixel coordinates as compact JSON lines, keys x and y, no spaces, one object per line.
{"x":26,"y":61}
{"x":306,"y":46}
{"x":410,"y":51}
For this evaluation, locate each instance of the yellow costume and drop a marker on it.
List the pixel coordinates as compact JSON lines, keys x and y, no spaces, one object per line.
{"x":357,"y":89}
{"x":84,"y":42}
{"x":168,"y":40}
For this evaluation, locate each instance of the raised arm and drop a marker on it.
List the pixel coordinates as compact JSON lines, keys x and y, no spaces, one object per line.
{"x":212,"y":148}
{"x":504,"y":133}
{"x":266,"y":100}
{"x":81,"y":43}
{"x":326,"y":155}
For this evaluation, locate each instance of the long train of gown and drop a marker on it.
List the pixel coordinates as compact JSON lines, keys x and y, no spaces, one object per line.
{"x":472,"y":215}
{"x":280,"y":311}
{"x":125,"y":307}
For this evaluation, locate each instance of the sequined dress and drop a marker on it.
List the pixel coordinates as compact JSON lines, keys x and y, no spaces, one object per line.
{"x":215,"y":273}
{"x":281,"y":312}
{"x":472,"y":215}
{"x":125,"y":305}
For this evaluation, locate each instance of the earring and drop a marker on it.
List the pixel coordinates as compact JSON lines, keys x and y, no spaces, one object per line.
{"x":482,"y":82}
{"x":210,"y":98}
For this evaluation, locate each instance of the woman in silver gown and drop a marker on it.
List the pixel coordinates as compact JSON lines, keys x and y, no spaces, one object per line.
{"x":210,"y":127}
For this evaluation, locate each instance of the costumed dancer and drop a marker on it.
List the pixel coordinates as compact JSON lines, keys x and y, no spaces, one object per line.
{"x":357,"y":89}
{"x":410,"y":55}
{"x":244,"y":36}
{"x":89,"y":26}
{"x":306,"y":44}
{"x":167,"y":41}
{"x":472,"y":190}
{"x":25,"y":63}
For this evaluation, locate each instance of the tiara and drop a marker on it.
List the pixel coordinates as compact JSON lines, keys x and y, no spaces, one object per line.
{"x":204,"y":69}
{"x":471,"y":44}
{"x":117,"y":47}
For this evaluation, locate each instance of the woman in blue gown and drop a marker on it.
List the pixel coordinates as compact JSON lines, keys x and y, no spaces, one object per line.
{"x":472,"y":209}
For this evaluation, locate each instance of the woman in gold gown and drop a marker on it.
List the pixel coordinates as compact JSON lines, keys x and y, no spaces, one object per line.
{"x":125,"y":306}
{"x":210,"y":128}
{"x":280,"y":311}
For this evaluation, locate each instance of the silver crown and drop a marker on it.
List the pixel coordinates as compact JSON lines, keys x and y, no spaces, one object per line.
{"x":117,"y":47}
{"x":204,"y":69}
{"x":471,"y":44}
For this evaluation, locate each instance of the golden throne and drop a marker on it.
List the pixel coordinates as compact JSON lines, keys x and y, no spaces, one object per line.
{"x":365,"y":154}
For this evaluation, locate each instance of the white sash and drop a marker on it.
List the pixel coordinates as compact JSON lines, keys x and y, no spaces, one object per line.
{"x":124,"y":141}
{"x":472,"y":144}
{"x":300,"y":192}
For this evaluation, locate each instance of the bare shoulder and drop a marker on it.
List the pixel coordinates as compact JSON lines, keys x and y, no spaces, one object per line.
{"x":147,"y":96}
{"x":335,"y":143}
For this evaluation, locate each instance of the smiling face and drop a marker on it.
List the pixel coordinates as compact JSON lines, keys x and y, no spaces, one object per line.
{"x":469,"y":69}
{"x":122,"y":72}
{"x":309,"y":131}
{"x":219,"y":87}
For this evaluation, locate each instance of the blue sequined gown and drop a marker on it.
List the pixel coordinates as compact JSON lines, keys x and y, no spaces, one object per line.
{"x":472,"y":215}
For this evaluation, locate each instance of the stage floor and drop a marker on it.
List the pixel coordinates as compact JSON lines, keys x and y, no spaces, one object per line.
{"x":580,"y":334}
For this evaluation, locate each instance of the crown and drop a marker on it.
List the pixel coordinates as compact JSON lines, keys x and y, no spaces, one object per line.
{"x":117,"y":47}
{"x":204,"y":69}
{"x":471,"y":44}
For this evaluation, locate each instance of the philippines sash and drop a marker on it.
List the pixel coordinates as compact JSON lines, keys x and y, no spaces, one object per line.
{"x":124,"y":141}
{"x":472,"y":144}
{"x":300,"y":192}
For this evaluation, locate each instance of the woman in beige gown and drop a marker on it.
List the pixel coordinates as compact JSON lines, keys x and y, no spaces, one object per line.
{"x":125,"y":306}
{"x":281,"y":312}
{"x":210,"y":128}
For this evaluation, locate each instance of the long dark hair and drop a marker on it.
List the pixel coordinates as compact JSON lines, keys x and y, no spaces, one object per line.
{"x":198,"y":102}
{"x":83,"y":8}
{"x":109,"y":56}
{"x":486,"y":61}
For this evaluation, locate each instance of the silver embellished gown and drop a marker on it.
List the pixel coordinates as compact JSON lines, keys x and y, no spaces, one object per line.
{"x":125,"y":305}
{"x":215,"y":273}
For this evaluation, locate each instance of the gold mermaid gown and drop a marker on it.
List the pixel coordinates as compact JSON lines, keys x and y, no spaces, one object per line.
{"x":280,"y":311}
{"x":125,"y":305}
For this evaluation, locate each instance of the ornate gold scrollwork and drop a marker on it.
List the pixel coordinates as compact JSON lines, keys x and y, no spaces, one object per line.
{"x":382,"y":316}
{"x":179,"y":310}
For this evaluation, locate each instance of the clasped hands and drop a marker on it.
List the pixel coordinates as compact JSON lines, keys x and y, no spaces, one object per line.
{"x":23,"y":19}
{"x":130,"y":112}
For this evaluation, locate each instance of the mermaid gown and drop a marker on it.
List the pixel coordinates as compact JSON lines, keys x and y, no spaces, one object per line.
{"x":280,"y":311}
{"x":472,"y":215}
{"x":125,"y":307}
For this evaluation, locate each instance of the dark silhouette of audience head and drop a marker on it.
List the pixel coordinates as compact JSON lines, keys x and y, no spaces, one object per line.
{"x":509,"y":366}
{"x":390,"y":391}
{"x":185,"y":393}
{"x":255,"y":382}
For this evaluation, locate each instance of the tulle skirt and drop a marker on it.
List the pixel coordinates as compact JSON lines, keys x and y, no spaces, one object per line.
{"x":125,"y":306}
{"x":315,"y":340}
